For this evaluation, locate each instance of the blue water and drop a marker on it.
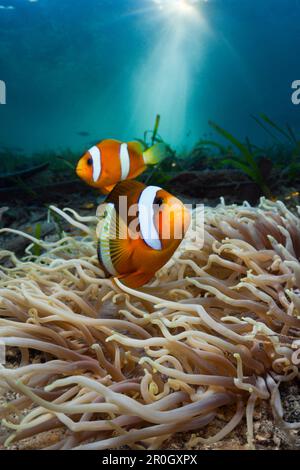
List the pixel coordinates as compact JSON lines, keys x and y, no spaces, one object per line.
{"x":106,"y":67}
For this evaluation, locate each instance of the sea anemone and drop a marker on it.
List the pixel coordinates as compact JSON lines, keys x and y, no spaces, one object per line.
{"x":108,"y":366}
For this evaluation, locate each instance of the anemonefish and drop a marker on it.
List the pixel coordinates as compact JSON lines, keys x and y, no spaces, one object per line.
{"x":139,"y":229}
{"x":112,"y":161}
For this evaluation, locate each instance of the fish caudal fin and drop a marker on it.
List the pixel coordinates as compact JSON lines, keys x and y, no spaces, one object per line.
{"x":155,"y":154}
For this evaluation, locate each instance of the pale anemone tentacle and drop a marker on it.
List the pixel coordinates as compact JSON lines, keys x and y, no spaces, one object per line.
{"x":217,"y":326}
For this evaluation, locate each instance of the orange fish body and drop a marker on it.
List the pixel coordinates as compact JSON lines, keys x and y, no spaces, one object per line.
{"x":135,"y":241}
{"x":112,"y":161}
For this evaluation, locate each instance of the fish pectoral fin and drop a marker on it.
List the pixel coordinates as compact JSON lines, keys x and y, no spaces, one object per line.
{"x":120,"y":244}
{"x":136,"y":279}
{"x":120,"y":252}
{"x":114,"y":246}
{"x":107,"y":189}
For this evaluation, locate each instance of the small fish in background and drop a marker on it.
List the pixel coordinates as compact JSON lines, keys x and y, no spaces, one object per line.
{"x":135,"y":241}
{"x":83,"y":133}
{"x":111,"y":161}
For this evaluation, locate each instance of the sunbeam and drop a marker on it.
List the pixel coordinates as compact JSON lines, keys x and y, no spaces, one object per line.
{"x":180,"y":7}
{"x":164,"y":83}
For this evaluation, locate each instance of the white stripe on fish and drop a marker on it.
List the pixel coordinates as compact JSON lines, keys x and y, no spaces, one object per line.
{"x":96,"y":156}
{"x":124,"y":161}
{"x":146,"y":217}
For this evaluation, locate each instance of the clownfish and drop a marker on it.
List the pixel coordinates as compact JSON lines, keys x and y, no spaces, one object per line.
{"x":112,"y":161}
{"x":139,"y":229}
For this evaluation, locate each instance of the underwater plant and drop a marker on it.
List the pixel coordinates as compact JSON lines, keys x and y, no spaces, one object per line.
{"x":161,"y":172}
{"x":245,"y":160}
{"x":67,"y":158}
{"x":217,"y":327}
{"x":287,"y":142}
{"x":15,"y":163}
{"x":151,"y":137}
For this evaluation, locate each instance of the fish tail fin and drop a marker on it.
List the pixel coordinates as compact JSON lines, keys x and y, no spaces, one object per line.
{"x":155,"y":154}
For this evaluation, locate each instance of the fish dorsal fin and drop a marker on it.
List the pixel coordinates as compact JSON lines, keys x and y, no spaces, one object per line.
{"x":107,"y":142}
{"x":127,"y":188}
{"x":113,"y":241}
{"x":125,"y":197}
{"x":137,"y":147}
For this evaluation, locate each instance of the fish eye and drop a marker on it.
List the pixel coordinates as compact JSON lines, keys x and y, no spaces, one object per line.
{"x":90,"y":162}
{"x":158,"y":201}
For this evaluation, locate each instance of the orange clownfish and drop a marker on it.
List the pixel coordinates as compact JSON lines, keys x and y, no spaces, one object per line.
{"x":139,"y":229}
{"x":111,"y":161}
